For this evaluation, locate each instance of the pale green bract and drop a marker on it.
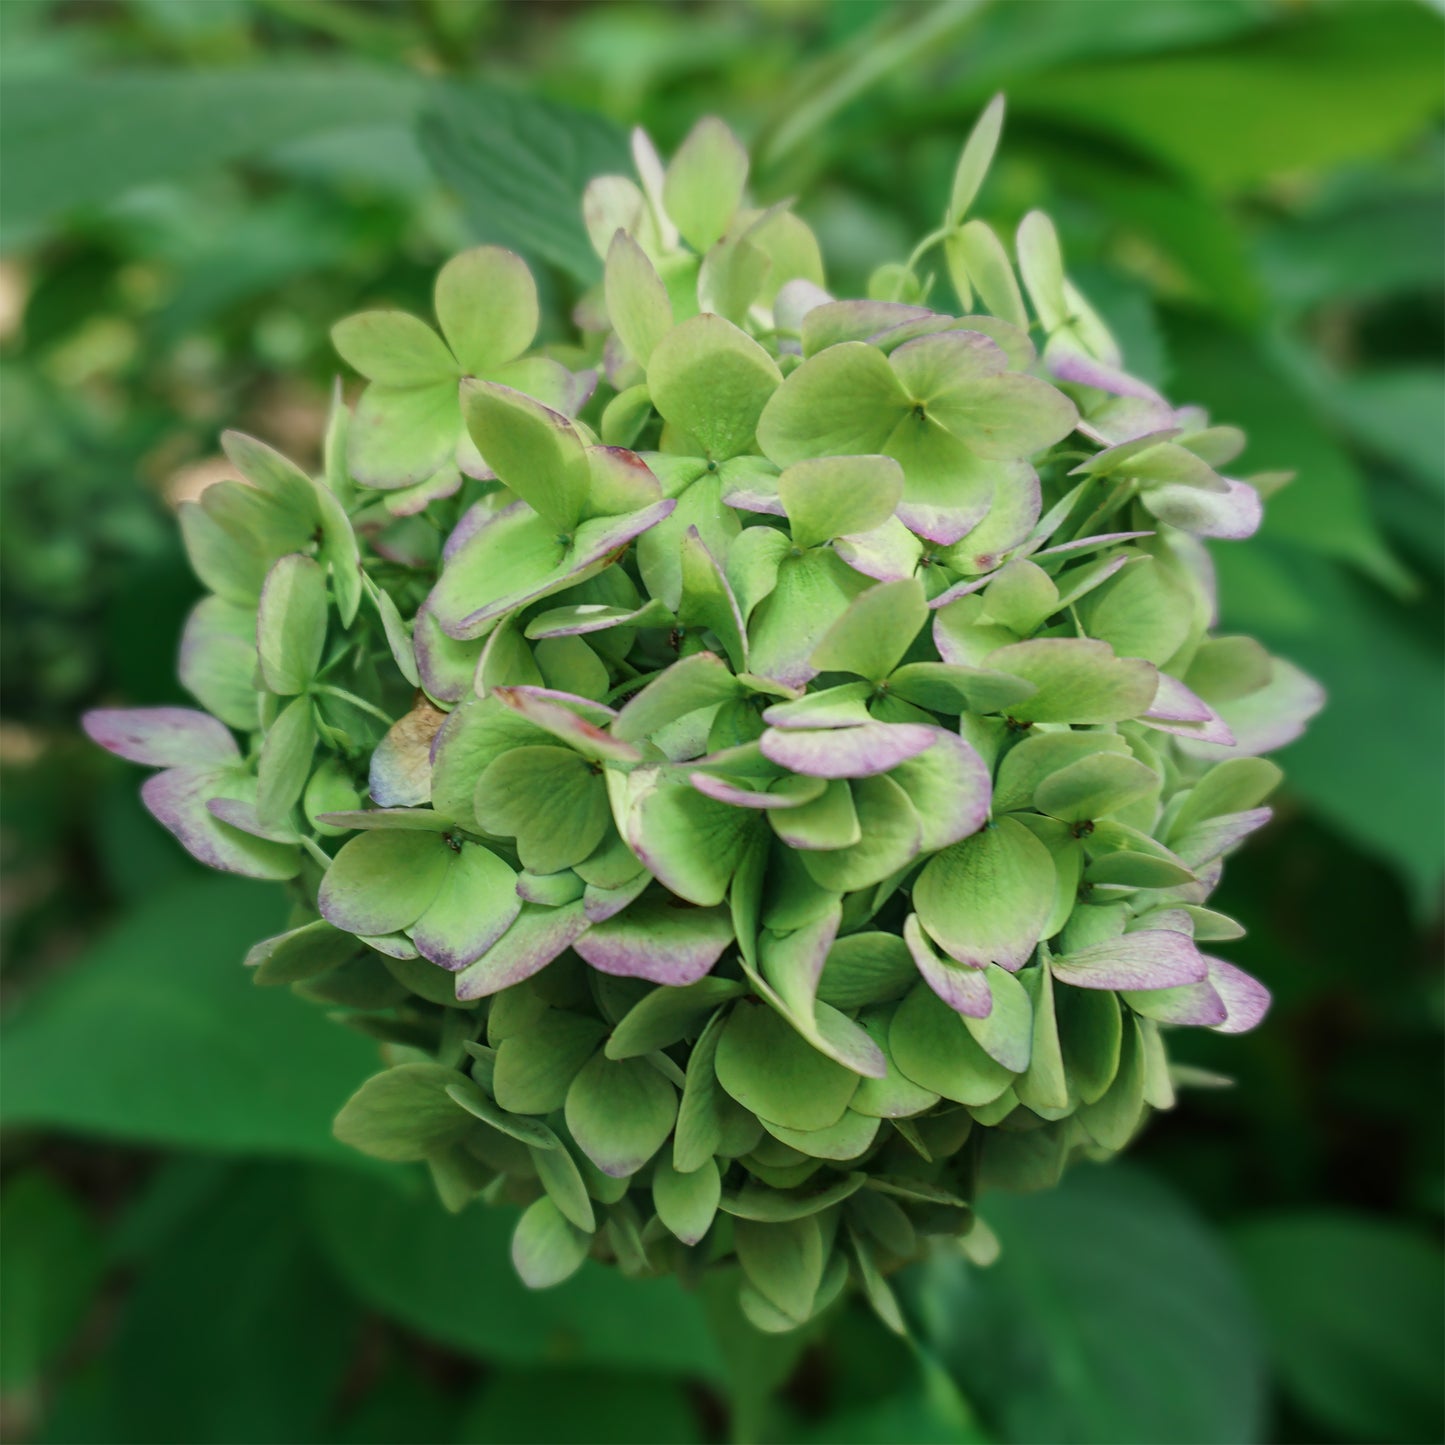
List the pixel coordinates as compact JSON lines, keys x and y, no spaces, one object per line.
{"x":759,"y":772}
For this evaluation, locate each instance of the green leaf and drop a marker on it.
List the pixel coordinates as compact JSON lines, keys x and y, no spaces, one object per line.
{"x":604,"y":1407}
{"x":837,"y":496}
{"x":990,"y":272}
{"x":428,"y":1270}
{"x":519,"y":164}
{"x":871,"y":637}
{"x":711,"y":381}
{"x":291,"y":624}
{"x":1096,"y":1365}
{"x":704,"y":183}
{"x":223,"y":1065}
{"x":169,"y":124}
{"x":280,"y":1330}
{"x":217,"y":663}
{"x":772,"y":1070}
{"x":986,"y":899}
{"x":536,"y":1065}
{"x":845,"y":401}
{"x":486,"y":302}
{"x":394,"y":349}
{"x":402,"y":436}
{"x":52,"y":1258}
{"x":1351,"y":1308}
{"x":404,"y":1113}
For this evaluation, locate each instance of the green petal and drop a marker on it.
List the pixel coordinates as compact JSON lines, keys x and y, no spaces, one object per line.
{"x":550,"y":799}
{"x":692,"y":844}
{"x":686,"y":1203}
{"x":1144,"y":611}
{"x":712,"y":381}
{"x":620,"y":1112}
{"x":991,"y":273}
{"x":811,"y":593}
{"x":394,"y":349}
{"x":291,"y":624}
{"x":1044,"y":1085}
{"x":486,"y":302}
{"x":771,"y":1069}
{"x":535,"y":451}
{"x":892,"y":833}
{"x":637,"y":303}
{"x":704,"y":183}
{"x":866,"y":968}
{"x":666,"y":1016}
{"x":838,"y":496}
{"x":973,"y":164}
{"x":383,"y":881}
{"x":536,"y":1065}
{"x":1094,"y":786}
{"x":285,"y":762}
{"x":1078,"y":680}
{"x":1030,"y":762}
{"x":1005,"y":1033}
{"x":473,"y":908}
{"x":872,"y":636}
{"x":986,"y":899}
{"x":702,"y":680}
{"x":932,"y":1047}
{"x":403,"y":1113}
{"x":400,"y":436}
{"x":218,"y":661}
{"x":844,"y":401}
{"x":547,"y":1248}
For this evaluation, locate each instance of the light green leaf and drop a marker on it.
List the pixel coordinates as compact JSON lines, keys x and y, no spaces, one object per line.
{"x":772,"y":1070}
{"x":933,"y":1048}
{"x":973,"y":164}
{"x":404,"y":1113}
{"x":401,"y":436}
{"x":990,"y":272}
{"x":845,"y":401}
{"x":686,"y":1203}
{"x":1095,"y":785}
{"x":550,"y":799}
{"x":547,"y":1248}
{"x":536,"y":1065}
{"x":285,"y":762}
{"x":1078,"y":680}
{"x":384,"y":880}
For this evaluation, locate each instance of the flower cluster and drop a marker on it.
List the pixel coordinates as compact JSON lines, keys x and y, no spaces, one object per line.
{"x":759,"y":773}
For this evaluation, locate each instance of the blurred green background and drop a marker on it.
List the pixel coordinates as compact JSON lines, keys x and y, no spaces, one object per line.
{"x":192,"y":190}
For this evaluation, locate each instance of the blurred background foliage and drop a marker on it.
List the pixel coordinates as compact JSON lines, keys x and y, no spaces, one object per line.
{"x":1250,"y":190}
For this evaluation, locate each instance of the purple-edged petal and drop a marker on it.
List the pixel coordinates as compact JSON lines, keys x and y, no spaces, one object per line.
{"x":591,"y":617}
{"x":1192,"y":1005}
{"x":162,"y":737}
{"x":546,"y":709}
{"x":1232,"y":515}
{"x":950,"y":786}
{"x":1081,"y":370}
{"x":1152,"y":958}
{"x":1216,"y":836}
{"x":1184,"y":714}
{"x":888,"y":553}
{"x":1246,"y":998}
{"x":1267,"y":719}
{"x":835,"y":707}
{"x":836,"y":321}
{"x":241,"y":813}
{"x":1089,"y":544}
{"x":755,"y":492}
{"x":536,"y":937}
{"x":965,"y":990}
{"x":853,"y":752}
{"x":660,"y":939}
{"x":474,"y":908}
{"x":960,"y":589}
{"x":741,"y":797}
{"x":177,"y":799}
{"x":600,"y":904}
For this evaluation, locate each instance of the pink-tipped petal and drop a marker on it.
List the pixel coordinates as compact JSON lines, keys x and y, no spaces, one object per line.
{"x":854,"y":752}
{"x":162,"y":737}
{"x":1246,"y":998}
{"x":1152,"y":958}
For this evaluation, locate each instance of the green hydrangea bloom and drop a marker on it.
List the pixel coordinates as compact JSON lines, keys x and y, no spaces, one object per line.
{"x":788,"y":799}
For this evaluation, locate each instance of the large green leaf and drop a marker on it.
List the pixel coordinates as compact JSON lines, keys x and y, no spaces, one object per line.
{"x":279,"y":1329}
{"x":145,"y":1040}
{"x":1111,"y":1317}
{"x":1352,"y":1309}
{"x":164,"y":125}
{"x":451,"y":1278}
{"x":519,"y":164}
